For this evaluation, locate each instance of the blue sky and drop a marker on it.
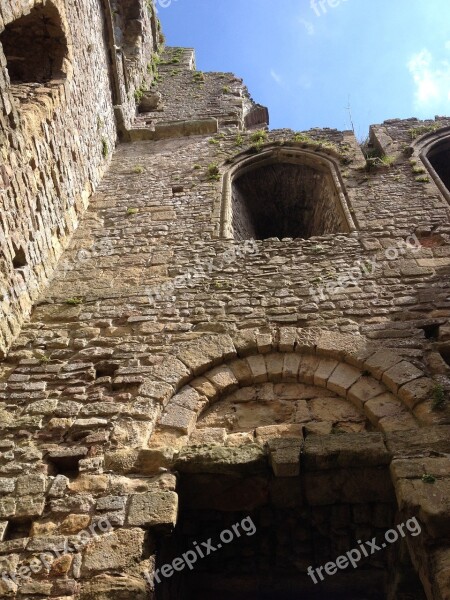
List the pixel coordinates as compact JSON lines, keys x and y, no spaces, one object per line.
{"x":385,"y":58}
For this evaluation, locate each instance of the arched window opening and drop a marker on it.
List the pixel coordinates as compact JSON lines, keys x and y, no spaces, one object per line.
{"x":35,"y":46}
{"x":439,"y":158}
{"x":284,"y":194}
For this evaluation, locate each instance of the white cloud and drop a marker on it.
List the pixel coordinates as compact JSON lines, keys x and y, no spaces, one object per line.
{"x":276,"y":77}
{"x":310,"y":29}
{"x":432,"y":78}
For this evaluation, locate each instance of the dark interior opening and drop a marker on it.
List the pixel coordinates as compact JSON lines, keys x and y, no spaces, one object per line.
{"x":270,"y":560}
{"x":35,"y":46}
{"x":431,"y":331}
{"x":439,"y":158}
{"x":445,"y":353}
{"x":19,"y":258}
{"x":65,"y":465}
{"x":18,"y":529}
{"x":285,"y":200}
{"x":105,"y":369}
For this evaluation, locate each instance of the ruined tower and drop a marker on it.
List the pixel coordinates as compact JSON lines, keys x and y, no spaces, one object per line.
{"x":225,"y":349}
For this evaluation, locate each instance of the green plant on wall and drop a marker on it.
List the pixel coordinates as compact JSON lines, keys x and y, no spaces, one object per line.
{"x":416,"y":132}
{"x":258,"y":138}
{"x":198,"y":77}
{"x":438,"y":395}
{"x":74,"y":301}
{"x":213,"y":172}
{"x":138,"y":94}
{"x":105,"y":148}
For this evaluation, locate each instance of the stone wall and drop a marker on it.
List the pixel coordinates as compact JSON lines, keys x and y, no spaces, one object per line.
{"x":188,"y":94}
{"x":58,"y":133}
{"x":135,"y":367}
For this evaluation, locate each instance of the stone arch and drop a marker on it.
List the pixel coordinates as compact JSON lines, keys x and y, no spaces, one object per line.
{"x":306,"y":184}
{"x":282,"y":473}
{"x":433,"y":150}
{"x":391,"y":392}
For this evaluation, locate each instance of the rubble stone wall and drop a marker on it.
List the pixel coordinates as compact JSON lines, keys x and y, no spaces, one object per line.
{"x":58,"y":133}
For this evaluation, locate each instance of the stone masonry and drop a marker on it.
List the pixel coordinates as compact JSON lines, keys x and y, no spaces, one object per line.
{"x":210,"y":321}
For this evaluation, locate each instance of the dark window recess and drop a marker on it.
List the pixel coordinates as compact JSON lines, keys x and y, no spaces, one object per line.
{"x":65,"y":465}
{"x":106,"y":369}
{"x":431,"y":331}
{"x":445,"y":353}
{"x":19,"y":259}
{"x":439,"y":158}
{"x":18,"y":529}
{"x":35,"y":46}
{"x":285,"y":200}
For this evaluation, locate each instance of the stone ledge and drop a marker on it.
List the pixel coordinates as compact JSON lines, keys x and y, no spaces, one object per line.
{"x":344,"y":450}
{"x":248,"y":459}
{"x":173,"y":129}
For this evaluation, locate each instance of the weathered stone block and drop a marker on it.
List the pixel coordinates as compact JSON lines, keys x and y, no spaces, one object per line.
{"x":258,"y":368}
{"x":365,"y":389}
{"x":153,"y":509}
{"x":108,"y":587}
{"x":386,"y":405}
{"x":400,"y":374}
{"x":31,"y":484}
{"x":288,"y":338}
{"x":223,"y":379}
{"x":222,"y":460}
{"x":345,"y":450}
{"x":436,"y":439}
{"x":291,"y":365}
{"x":118,"y":550}
{"x":417,"y":391}
{"x":89,"y":483}
{"x":241,"y":370}
{"x":189,"y":398}
{"x":324,"y":371}
{"x":308,"y":368}
{"x":268,"y":432}
{"x":381,"y":361}
{"x":29,"y":506}
{"x":177,"y":417}
{"x":342,"y":378}
{"x":284,"y":456}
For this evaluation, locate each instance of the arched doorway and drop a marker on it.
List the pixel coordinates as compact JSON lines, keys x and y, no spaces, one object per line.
{"x":287,"y":446}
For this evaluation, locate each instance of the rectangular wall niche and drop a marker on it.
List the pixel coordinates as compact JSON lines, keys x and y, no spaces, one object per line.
{"x":286,"y":199}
